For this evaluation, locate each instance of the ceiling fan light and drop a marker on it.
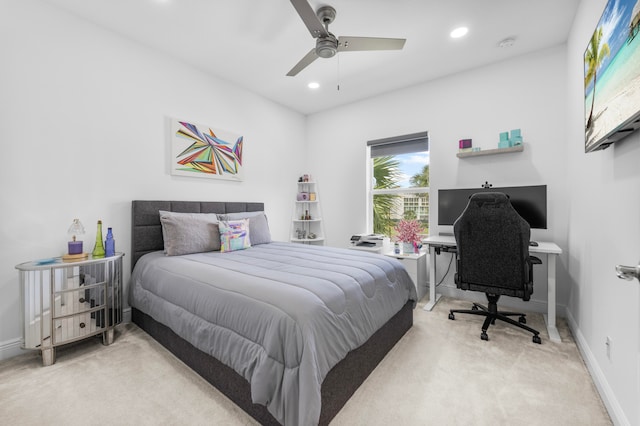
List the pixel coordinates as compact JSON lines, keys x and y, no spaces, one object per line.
{"x":326,"y":52}
{"x":326,"y":48}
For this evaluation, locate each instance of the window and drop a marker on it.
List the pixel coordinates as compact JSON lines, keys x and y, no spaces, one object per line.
{"x":398,"y":182}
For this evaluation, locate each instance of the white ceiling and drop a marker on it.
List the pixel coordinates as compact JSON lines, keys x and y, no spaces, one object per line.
{"x":254,"y":43}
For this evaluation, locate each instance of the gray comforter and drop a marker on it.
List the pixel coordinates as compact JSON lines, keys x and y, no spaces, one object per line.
{"x":280,"y":314}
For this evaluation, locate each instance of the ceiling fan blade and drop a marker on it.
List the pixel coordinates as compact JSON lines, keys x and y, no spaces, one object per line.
{"x":304,"y":62}
{"x":310,"y":19}
{"x":353,"y":44}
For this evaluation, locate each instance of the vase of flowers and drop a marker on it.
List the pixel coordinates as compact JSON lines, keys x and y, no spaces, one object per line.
{"x":408,"y":233}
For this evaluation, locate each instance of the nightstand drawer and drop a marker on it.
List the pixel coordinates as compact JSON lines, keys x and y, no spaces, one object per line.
{"x":71,"y":302}
{"x":77,"y":326}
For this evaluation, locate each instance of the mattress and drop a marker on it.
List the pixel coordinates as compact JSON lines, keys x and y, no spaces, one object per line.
{"x":280,"y":314}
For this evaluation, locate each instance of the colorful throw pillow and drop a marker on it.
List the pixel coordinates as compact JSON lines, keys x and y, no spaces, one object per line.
{"x":234,"y":235}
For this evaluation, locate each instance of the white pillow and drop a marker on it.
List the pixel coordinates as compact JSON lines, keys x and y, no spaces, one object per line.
{"x":258,"y":225}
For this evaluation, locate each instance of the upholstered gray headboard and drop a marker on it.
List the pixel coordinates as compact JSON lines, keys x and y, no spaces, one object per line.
{"x":146,"y":230}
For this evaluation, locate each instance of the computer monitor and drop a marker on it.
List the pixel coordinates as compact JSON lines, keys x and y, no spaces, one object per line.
{"x":529,"y":201}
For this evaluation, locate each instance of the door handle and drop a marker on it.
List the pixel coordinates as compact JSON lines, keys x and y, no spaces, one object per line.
{"x":628,"y":272}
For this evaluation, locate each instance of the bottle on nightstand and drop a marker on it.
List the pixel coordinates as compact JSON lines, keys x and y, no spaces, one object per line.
{"x":98,"y":249}
{"x":110,"y":244}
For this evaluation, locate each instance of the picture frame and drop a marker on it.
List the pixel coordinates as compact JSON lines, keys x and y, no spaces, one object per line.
{"x":205,"y":151}
{"x":612,"y":76}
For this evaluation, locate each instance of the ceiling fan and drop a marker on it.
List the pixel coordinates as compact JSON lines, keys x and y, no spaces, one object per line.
{"x":327,"y":45}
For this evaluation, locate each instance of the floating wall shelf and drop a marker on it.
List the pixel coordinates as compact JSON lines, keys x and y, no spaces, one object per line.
{"x":518,"y":148}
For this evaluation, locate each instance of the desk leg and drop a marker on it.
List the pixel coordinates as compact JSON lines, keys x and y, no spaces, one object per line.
{"x":550,"y":318}
{"x":433,"y":297}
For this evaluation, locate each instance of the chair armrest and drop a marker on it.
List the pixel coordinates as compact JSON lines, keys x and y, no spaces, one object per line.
{"x":528,"y":286}
{"x":535,"y":260}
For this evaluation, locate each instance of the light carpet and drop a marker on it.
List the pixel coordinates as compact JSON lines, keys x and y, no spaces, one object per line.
{"x":440,"y":373}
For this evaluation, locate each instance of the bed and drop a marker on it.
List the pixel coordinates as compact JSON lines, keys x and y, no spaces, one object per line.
{"x":295,"y":328}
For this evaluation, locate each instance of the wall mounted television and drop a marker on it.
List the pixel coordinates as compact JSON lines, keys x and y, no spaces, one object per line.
{"x":612,"y":76}
{"x":529,"y":201}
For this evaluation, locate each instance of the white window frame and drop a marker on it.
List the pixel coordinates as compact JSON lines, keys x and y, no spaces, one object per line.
{"x":395,"y":191}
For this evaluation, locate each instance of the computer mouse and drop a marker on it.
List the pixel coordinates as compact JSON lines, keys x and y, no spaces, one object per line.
{"x":533,"y":244}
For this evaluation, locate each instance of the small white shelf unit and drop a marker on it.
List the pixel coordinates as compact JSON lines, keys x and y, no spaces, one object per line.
{"x":306,"y":223}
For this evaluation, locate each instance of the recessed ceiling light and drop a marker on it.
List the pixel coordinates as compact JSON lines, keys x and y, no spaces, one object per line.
{"x":459,"y":32}
{"x":313,"y":85}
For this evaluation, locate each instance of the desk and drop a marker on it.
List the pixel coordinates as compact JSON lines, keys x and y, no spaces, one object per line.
{"x":550,"y":249}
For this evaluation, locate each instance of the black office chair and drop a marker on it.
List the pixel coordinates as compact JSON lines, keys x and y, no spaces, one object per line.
{"x":493,"y":257}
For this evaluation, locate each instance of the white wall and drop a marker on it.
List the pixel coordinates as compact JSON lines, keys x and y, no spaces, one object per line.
{"x":527,"y":93}
{"x":82,"y":128}
{"x":604,"y":217}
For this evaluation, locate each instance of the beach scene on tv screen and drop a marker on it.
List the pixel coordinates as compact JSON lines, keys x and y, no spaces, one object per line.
{"x":612,"y":71}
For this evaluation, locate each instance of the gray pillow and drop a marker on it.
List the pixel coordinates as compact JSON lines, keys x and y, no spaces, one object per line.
{"x":186,"y":233}
{"x":258,"y":225}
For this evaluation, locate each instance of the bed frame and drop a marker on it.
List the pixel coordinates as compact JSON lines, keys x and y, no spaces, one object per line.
{"x":341,"y":382}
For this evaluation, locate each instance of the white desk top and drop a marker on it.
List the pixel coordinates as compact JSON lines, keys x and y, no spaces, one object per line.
{"x":389,"y":252}
{"x":449,"y":240}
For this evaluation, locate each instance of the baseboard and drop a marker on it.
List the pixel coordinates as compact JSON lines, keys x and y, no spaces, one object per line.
{"x":606,"y":393}
{"x":13,"y":347}
{"x":126,"y":315}
{"x":10,"y":348}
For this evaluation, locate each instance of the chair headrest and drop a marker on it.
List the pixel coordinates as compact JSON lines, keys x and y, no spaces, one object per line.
{"x":497,"y":198}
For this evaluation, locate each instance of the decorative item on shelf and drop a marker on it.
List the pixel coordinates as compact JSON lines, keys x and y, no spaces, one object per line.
{"x":504,"y":140}
{"x":110,"y":244}
{"x":312,"y":196}
{"x":301,"y":234}
{"x":302,"y":196}
{"x":307,"y":216}
{"x":464,"y":143}
{"x":98,"y":249}
{"x":408,"y":233}
{"x":74,"y":246}
{"x":312,"y":236}
{"x":516,"y":138}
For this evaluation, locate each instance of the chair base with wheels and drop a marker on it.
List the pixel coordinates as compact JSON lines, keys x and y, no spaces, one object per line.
{"x":491,"y":314}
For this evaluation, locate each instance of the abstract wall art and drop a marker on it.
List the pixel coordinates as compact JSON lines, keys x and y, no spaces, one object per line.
{"x":202,"y":151}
